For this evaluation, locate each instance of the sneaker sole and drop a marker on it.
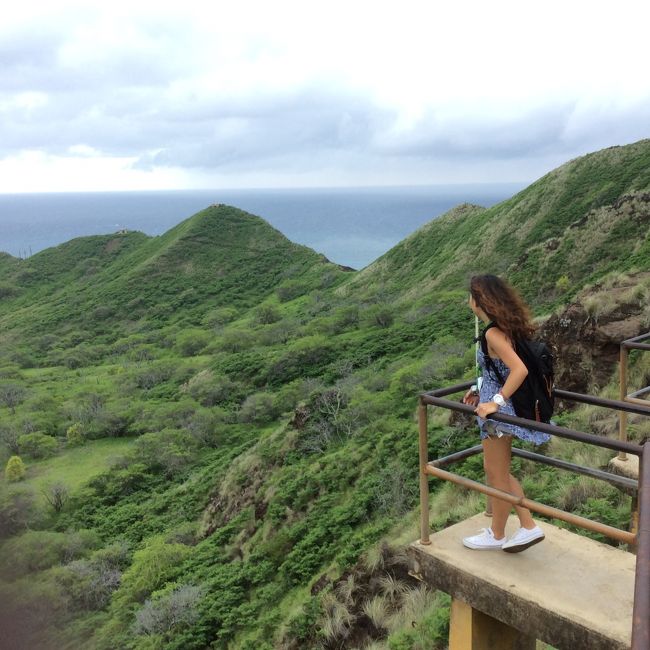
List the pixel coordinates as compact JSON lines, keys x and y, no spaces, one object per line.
{"x":522,"y":547}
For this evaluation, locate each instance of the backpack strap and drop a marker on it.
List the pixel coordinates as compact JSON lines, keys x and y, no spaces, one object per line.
{"x":484,"y":346}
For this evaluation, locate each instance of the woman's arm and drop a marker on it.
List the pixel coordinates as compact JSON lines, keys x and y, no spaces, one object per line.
{"x":502,"y":348}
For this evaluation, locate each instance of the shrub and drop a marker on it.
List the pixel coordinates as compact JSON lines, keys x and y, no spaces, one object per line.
{"x":8,"y":291}
{"x":9,"y":436}
{"x":15,"y":469}
{"x":156,"y":373}
{"x":236,"y":340}
{"x":267,"y":314}
{"x":346,"y":318}
{"x":290,"y":289}
{"x":89,"y":586}
{"x":11,"y":395}
{"x":75,"y":434}
{"x":169,"y":610}
{"x":209,"y":390}
{"x":563,"y":283}
{"x":203,"y":426}
{"x":91,"y":582}
{"x":306,"y":357}
{"x":73,"y":361}
{"x":37,"y":444}
{"x":258,"y":407}
{"x":17,"y":511}
{"x":379,"y":315}
{"x":278,"y":333}
{"x":191,"y":342}
{"x":394,"y":490}
{"x":102,"y":312}
{"x":168,"y":451}
{"x":220,"y":316}
{"x":152,"y":566}
{"x":36,"y":550}
{"x":10,"y":371}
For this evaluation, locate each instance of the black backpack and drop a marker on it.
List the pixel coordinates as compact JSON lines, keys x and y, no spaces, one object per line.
{"x":534,"y":399}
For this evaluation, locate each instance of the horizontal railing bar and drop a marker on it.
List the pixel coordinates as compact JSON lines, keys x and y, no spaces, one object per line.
{"x":636,"y":338}
{"x":615,"y":479}
{"x":603,"y":529}
{"x":562,"y":432}
{"x":636,"y":400}
{"x":615,"y":404}
{"x":636,"y":393}
{"x":636,"y":346}
{"x":450,"y":390}
{"x":454,"y":458}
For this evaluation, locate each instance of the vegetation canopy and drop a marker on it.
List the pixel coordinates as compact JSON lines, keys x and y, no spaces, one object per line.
{"x":220,"y":424}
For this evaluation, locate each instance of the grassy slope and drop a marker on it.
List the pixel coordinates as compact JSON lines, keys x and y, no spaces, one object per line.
{"x":77,"y":466}
{"x":282,"y":513}
{"x":446,"y":251}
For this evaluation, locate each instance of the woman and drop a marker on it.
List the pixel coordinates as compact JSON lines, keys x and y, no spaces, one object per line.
{"x":495,"y":301}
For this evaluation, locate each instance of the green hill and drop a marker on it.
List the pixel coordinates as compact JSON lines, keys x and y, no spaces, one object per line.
{"x":100,"y":287}
{"x":218,"y":425}
{"x":585,"y":218}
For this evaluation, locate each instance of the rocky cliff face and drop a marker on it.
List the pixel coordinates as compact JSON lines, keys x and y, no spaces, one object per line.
{"x":586,"y":335}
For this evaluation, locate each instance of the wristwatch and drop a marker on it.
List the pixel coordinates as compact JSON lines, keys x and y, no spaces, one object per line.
{"x":499,"y":399}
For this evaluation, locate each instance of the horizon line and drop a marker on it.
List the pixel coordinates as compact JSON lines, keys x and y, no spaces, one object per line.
{"x":270,"y":189}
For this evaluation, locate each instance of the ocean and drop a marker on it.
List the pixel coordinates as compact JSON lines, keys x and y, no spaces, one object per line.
{"x":350,"y":226}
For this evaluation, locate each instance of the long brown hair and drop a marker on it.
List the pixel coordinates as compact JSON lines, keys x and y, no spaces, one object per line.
{"x":503,"y":305}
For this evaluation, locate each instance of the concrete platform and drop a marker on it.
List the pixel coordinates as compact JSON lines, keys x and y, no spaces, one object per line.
{"x":569,"y":591}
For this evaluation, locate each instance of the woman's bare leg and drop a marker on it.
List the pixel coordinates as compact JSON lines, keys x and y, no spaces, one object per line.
{"x":496,"y":460}
{"x":525,"y":518}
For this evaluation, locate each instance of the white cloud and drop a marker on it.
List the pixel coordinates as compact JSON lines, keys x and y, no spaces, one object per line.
{"x":293,"y":92}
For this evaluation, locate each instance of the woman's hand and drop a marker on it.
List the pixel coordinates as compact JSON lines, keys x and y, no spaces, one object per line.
{"x":471,"y":398}
{"x":486,"y":408}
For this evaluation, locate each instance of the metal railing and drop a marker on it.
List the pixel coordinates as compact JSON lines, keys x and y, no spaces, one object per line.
{"x":640,"y":537}
{"x":634,"y":397}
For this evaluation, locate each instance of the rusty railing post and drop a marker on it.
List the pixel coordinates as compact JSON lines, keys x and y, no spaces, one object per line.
{"x":424,"y":477}
{"x":622,"y":415}
{"x":641,"y":611}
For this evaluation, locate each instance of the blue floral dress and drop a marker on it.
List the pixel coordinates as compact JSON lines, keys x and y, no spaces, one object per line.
{"x":489,"y":387}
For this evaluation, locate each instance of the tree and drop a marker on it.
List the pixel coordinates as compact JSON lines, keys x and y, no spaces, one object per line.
{"x":15,"y":469}
{"x":56,"y":495}
{"x":11,"y":395}
{"x":9,"y":437}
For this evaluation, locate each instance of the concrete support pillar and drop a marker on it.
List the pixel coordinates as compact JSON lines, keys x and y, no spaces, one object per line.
{"x":471,"y":629}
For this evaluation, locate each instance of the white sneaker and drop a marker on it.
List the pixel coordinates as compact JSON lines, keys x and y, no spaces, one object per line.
{"x":523,"y":539}
{"x":484,"y":541}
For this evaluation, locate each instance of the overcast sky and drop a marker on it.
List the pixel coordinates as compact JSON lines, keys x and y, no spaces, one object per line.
{"x":162,"y":95}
